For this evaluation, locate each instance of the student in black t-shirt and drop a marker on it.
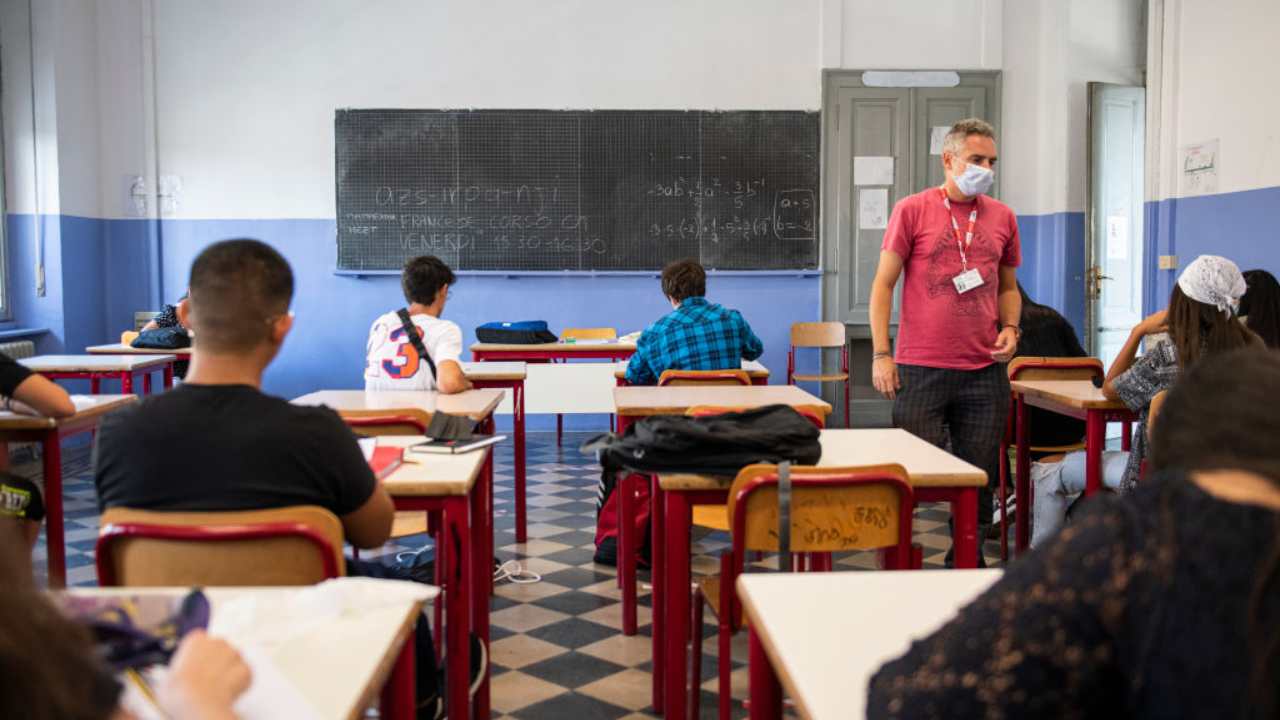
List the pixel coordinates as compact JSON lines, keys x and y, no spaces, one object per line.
{"x":1046,"y":333}
{"x":218,"y":443}
{"x":21,"y":391}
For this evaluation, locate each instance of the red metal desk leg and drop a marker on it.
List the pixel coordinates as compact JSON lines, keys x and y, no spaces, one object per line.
{"x":482,"y":541}
{"x":766,"y":691}
{"x":1126,"y":436}
{"x":1095,"y":436}
{"x":146,"y":383}
{"x":964,"y":511}
{"x":1022,"y":478}
{"x":627,"y":544}
{"x":517,"y":390}
{"x":399,"y":695}
{"x":95,"y":385}
{"x":54,"y":533}
{"x":657,"y":580}
{"x":126,"y":383}
{"x":676,"y":599}
{"x":168,"y":376}
{"x":458,"y":604}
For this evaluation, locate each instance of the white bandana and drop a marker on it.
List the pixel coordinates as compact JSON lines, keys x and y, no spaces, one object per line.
{"x":1215,"y":281}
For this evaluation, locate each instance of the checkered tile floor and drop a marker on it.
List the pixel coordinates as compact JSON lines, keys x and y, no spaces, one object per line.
{"x":557,"y":649}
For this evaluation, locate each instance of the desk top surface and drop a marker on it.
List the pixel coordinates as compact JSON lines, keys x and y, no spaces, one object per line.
{"x":95,"y":363}
{"x":927,"y":464}
{"x":565,"y":347}
{"x":676,"y":399}
{"x":339,"y":685}
{"x":475,"y":404}
{"x":503,"y":370}
{"x":754,"y":368}
{"x":439,"y":476}
{"x":121,"y":349}
{"x":89,"y":409}
{"x":826,"y":634}
{"x":1079,"y":394}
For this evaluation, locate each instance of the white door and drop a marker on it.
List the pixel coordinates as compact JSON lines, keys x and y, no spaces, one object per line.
{"x":1117,"y":117}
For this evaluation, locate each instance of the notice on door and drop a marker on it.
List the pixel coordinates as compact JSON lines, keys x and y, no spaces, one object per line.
{"x":1118,"y":238}
{"x":872,"y":170}
{"x":873,"y":209}
{"x":938,"y":138}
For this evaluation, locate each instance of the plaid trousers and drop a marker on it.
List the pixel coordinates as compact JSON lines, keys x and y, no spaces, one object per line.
{"x":961,"y":411}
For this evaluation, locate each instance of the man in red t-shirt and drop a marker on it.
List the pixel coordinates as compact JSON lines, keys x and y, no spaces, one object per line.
{"x":959,"y":251}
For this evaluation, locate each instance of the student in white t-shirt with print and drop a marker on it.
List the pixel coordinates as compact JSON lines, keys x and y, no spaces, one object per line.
{"x":393,"y":362}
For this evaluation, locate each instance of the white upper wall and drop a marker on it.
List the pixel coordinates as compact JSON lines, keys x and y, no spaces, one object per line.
{"x":913,"y":34}
{"x":1217,"y":83}
{"x":247,"y":90}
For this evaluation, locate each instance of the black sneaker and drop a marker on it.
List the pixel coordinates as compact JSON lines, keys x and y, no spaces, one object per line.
{"x":419,"y":566}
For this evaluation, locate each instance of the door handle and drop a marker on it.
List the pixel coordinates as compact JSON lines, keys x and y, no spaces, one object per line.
{"x":1095,"y":278}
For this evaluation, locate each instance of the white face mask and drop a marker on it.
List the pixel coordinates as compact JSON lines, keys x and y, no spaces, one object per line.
{"x":975,"y":180}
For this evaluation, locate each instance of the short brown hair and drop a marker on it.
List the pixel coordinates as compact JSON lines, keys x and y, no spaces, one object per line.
{"x":423,"y":277}
{"x":961,"y":131}
{"x":236,"y":288}
{"x":684,"y":279}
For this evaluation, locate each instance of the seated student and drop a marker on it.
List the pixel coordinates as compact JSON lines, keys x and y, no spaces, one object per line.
{"x":1046,"y":333}
{"x":1260,"y":306}
{"x":697,"y":335}
{"x":395,"y":360}
{"x":1159,"y":604}
{"x":168,"y":317}
{"x":21,"y":499}
{"x":230,"y":446}
{"x":1201,"y":322}
{"x":49,"y":670}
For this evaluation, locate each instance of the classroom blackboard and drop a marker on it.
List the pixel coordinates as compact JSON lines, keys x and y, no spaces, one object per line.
{"x":538,"y":190}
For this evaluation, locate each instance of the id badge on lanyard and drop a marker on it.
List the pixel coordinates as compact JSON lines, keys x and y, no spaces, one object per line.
{"x":970,"y":278}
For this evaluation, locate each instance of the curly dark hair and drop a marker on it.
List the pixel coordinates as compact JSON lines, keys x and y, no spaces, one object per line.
{"x":423,"y":277}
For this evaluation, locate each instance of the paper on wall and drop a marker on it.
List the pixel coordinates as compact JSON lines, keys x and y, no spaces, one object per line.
{"x":938,"y":138}
{"x":1117,"y":237}
{"x":1200,"y":163}
{"x":873,"y":209}
{"x":872,"y":170}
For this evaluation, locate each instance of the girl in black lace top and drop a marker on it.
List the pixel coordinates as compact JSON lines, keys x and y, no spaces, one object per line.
{"x":1163,"y":603}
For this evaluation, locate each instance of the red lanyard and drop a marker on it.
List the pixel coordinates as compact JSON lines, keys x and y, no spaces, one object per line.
{"x":955,"y":226}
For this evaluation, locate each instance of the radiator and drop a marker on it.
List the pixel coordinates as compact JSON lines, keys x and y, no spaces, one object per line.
{"x":18,"y":349}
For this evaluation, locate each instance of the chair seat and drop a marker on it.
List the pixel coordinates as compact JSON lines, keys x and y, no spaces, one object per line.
{"x":832,"y":377}
{"x":413,"y":522}
{"x":710,"y":589}
{"x":715,"y":517}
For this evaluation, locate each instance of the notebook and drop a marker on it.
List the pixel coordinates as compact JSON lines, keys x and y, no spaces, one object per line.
{"x":382,"y":459}
{"x":434,"y":446}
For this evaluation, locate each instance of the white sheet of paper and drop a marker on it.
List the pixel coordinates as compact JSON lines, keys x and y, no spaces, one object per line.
{"x":872,"y":170}
{"x":1200,"y":165}
{"x":937,"y":138}
{"x":873,"y":209}
{"x":367,"y":446}
{"x":1117,"y":237}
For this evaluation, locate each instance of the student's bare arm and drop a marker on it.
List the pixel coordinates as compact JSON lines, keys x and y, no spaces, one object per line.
{"x":369,"y":526}
{"x":45,"y":397}
{"x":452,"y":379}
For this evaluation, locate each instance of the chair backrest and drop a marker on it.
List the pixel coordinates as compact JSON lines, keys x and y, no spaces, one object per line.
{"x":299,"y":545}
{"x":1056,"y":368}
{"x":127,"y":337}
{"x":1153,"y":410}
{"x":810,"y":414}
{"x":817,"y":334}
{"x":704,"y":377}
{"x":599,"y":333}
{"x":375,"y":423}
{"x":832,"y":509}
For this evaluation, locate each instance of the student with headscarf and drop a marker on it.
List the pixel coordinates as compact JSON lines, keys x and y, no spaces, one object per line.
{"x":1201,"y":320}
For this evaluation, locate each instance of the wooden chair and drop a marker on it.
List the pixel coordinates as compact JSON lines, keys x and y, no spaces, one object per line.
{"x":832,"y":510}
{"x":820,"y":335}
{"x":596,"y":333}
{"x":299,"y":545}
{"x":677,"y":378}
{"x":1038,"y":368}
{"x":376,"y":423}
{"x":127,"y":337}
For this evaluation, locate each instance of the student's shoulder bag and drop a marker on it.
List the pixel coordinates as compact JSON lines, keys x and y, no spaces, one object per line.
{"x":415,"y":339}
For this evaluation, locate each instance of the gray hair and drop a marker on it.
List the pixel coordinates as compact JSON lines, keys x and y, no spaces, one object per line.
{"x":961,"y":131}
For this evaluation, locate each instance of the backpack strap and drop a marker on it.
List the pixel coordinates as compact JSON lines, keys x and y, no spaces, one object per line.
{"x":415,"y":339}
{"x":784,"y":516}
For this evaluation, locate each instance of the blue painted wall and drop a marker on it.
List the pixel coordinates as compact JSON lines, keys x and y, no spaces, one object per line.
{"x":1243,"y":226}
{"x":1052,"y":270}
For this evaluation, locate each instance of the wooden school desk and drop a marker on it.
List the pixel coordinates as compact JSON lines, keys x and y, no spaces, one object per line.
{"x":936,"y":476}
{"x":508,"y":375}
{"x":1074,"y":398}
{"x":547,"y":352}
{"x":122,"y":349}
{"x":96,"y":367}
{"x":635,"y":402}
{"x":756,"y":370}
{"x":457,"y":487}
{"x":824,"y":635}
{"x":49,"y":433}
{"x":341,"y":666}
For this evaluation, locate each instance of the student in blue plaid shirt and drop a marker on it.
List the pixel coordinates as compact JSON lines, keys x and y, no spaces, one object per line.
{"x":697,"y":335}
